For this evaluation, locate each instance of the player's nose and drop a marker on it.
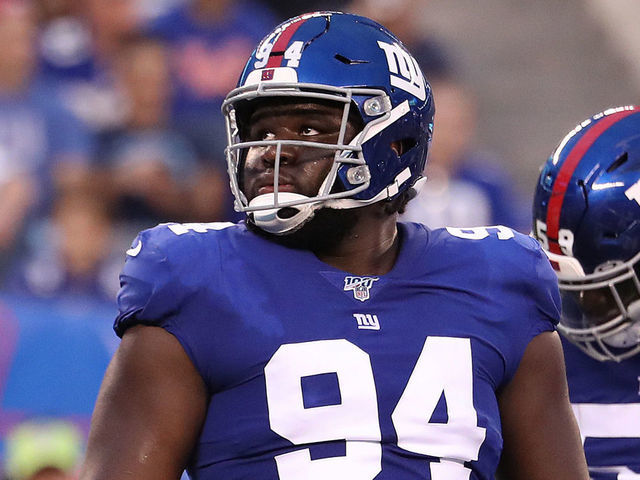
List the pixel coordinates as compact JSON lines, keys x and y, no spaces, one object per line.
{"x":283,"y":152}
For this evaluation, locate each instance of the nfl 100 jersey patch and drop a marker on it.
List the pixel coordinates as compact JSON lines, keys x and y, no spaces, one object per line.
{"x":360,"y":286}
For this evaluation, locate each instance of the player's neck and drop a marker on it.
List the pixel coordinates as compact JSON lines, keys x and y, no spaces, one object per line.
{"x":362,"y":241}
{"x":371,"y":248}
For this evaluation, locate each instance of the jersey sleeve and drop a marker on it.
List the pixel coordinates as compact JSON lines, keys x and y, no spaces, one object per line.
{"x":533,"y":286}
{"x":149,"y":292}
{"x":543,"y":285}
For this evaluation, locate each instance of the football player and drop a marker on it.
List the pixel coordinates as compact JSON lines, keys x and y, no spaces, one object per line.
{"x":321,"y":339}
{"x":587,"y":217}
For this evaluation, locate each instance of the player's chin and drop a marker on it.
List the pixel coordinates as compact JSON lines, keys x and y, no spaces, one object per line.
{"x":322,"y":232}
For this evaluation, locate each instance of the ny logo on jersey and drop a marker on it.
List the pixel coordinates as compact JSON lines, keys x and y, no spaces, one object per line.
{"x":367,"y":321}
{"x":360,"y":286}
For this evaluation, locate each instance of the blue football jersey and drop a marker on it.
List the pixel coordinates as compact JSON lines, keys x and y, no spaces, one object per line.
{"x":315,"y":373}
{"x":606,"y":401}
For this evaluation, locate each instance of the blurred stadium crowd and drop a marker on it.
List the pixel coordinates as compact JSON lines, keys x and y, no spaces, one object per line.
{"x":110,"y":123}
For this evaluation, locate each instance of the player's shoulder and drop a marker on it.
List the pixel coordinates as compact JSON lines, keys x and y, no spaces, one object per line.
{"x":499,"y":259}
{"x":179,"y":242}
{"x":494,"y":239}
{"x":171,"y":251}
{"x":166,"y":264}
{"x":498,"y":249}
{"x":171,"y":236}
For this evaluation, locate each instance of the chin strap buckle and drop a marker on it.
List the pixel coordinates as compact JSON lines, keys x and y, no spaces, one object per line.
{"x":402,"y":177}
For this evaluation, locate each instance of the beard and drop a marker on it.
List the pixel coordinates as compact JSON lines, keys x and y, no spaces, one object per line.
{"x":321,"y":234}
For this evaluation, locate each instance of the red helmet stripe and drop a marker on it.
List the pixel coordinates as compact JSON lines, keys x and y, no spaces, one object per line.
{"x":566,"y":172}
{"x":277,"y":52}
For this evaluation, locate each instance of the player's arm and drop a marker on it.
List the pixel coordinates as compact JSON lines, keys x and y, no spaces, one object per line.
{"x":149,"y":411}
{"x":541,"y":437}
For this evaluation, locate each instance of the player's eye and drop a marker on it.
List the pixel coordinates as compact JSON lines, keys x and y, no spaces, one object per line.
{"x":267,"y":135}
{"x":308,"y":131}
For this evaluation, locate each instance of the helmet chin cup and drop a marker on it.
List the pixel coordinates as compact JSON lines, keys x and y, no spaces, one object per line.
{"x":281,"y":220}
{"x":633,"y":311}
{"x":629,"y":336}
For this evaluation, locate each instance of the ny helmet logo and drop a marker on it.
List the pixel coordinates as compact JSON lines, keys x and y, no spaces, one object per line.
{"x":360,"y":286}
{"x":404,"y":72}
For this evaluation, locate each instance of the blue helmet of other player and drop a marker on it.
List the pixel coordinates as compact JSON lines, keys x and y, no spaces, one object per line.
{"x":586,"y":215}
{"x":352,"y":60}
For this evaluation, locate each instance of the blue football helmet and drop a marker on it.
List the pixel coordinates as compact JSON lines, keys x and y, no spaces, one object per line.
{"x":352,"y":60}
{"x":586,"y":215}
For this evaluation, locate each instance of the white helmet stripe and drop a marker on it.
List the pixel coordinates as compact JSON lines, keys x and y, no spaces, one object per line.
{"x":377,"y":126}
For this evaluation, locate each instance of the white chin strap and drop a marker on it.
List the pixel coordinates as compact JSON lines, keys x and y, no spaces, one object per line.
{"x":286,"y":219}
{"x":281,"y":220}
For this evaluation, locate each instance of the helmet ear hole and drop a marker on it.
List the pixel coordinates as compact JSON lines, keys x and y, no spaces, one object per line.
{"x":407,"y":144}
{"x":396,"y":146}
{"x":402,"y":146}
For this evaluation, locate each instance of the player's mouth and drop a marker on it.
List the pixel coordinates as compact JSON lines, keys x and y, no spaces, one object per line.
{"x":282,"y":187}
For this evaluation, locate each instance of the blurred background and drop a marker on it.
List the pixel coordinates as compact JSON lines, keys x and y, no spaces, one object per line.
{"x":110,"y":123}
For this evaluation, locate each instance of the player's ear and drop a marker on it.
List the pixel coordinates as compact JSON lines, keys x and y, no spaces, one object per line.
{"x":396,"y":146}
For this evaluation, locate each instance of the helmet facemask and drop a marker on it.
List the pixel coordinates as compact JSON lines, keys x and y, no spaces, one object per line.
{"x":282,"y":213}
{"x":601,"y":311}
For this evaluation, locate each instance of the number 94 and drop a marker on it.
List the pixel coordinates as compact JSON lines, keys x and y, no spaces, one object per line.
{"x":355,"y":419}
